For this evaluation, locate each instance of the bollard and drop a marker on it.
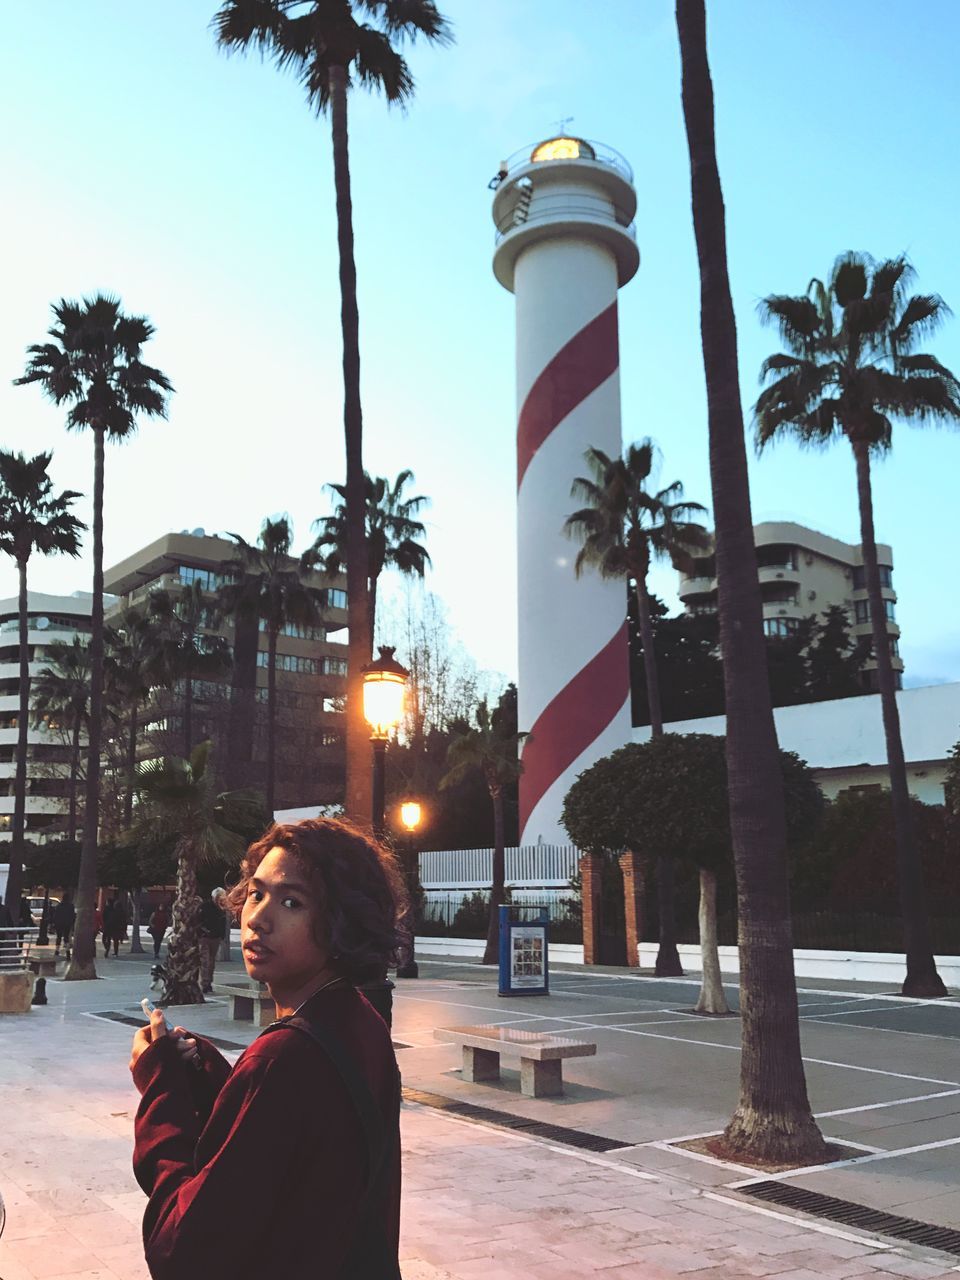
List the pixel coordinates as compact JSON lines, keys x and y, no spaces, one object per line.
{"x":40,"y":992}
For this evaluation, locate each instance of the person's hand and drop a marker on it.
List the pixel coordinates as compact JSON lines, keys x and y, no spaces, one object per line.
{"x":146,"y":1035}
{"x":186,"y":1046}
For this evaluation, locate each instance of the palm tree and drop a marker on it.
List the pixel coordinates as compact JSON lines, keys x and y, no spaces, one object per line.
{"x":391,"y":531}
{"x":94,"y":365}
{"x":329,"y":50}
{"x":492,"y":748}
{"x":773,"y":1119}
{"x":177,"y":800}
{"x":61,"y":692}
{"x":268,"y":580}
{"x":851,"y":367}
{"x":33,"y":518}
{"x":624,"y":528}
{"x":135,"y":659}
{"x":191,"y":654}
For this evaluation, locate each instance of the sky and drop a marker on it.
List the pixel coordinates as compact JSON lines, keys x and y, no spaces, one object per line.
{"x":141,"y":161}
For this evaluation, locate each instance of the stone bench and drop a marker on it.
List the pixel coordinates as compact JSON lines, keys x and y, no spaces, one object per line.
{"x":16,"y":991}
{"x":249,"y":1003}
{"x":541,"y":1055}
{"x":43,"y":961}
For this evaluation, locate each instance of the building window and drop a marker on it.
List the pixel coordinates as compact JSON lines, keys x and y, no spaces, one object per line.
{"x":330,"y":738}
{"x":297,"y":632}
{"x":860,"y":577}
{"x":208,"y":580}
{"x":332,"y":703}
{"x":290,"y":662}
{"x":334,"y":598}
{"x":780,"y":628}
{"x":334,"y":666}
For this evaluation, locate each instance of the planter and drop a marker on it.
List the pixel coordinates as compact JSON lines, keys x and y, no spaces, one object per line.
{"x":16,"y":992}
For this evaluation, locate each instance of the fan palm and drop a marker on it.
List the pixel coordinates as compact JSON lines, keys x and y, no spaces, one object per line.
{"x":852,"y":368}
{"x":624,"y":528}
{"x":391,"y":529}
{"x":490,"y":747}
{"x":330,"y":48}
{"x":190,"y":653}
{"x":135,"y":660}
{"x":94,"y":365}
{"x":33,"y":518}
{"x":773,"y":1119}
{"x":61,"y":692}
{"x":269,"y":581}
{"x":177,"y":800}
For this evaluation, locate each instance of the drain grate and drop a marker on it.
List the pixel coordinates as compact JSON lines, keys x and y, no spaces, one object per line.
{"x":947,"y":1239}
{"x":505,"y":1120}
{"x":129,"y":1020}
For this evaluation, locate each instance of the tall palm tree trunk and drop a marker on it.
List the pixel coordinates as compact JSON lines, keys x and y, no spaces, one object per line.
{"x":668,"y":957}
{"x":359,"y":796}
{"x":271,"y":718}
{"x":187,"y":715}
{"x":182,"y":984}
{"x":131,"y":765}
{"x":243,"y":701}
{"x":498,"y":893}
{"x":773,"y":1119}
{"x":82,"y":964}
{"x":74,"y":776}
{"x":136,"y":945}
{"x":712,"y":999}
{"x":372,"y":608}
{"x":15,"y":874}
{"x":922,"y":978}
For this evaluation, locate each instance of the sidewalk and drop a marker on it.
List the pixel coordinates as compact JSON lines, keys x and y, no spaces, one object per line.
{"x":479,"y":1202}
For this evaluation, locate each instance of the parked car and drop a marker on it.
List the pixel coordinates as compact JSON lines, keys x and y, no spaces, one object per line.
{"x":36,"y":908}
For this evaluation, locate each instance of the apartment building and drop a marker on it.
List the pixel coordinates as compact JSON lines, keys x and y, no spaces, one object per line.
{"x":311,"y":676}
{"x":50,"y":618}
{"x":803,"y":572}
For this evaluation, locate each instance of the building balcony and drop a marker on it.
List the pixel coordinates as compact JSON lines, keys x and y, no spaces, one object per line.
{"x":783,"y":574}
{"x":694,"y":588}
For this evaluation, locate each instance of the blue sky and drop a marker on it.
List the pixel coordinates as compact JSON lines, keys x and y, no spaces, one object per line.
{"x":198,"y":187}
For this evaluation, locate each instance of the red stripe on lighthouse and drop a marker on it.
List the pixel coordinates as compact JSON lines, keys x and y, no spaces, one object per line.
{"x":573,"y":720}
{"x":578,"y":368}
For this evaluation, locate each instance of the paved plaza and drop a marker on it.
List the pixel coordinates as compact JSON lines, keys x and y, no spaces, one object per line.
{"x":497,"y":1184}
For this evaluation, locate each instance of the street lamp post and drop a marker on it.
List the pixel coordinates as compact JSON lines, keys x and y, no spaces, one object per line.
{"x":410,"y":815}
{"x":384,"y":681}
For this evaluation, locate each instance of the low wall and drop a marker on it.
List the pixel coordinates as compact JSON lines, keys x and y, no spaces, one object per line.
{"x":850,"y":966}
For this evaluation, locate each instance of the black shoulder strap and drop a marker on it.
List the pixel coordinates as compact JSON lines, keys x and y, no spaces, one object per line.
{"x":369,"y":1256}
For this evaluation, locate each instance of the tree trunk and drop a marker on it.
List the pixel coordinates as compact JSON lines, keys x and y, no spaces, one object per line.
{"x":359,"y":647}
{"x":491,"y":952}
{"x":773,"y":1120}
{"x":271,"y":718}
{"x":15,"y":873}
{"x":74,"y":773}
{"x":82,"y":964}
{"x":136,"y":946}
{"x":182,"y":985}
{"x":131,"y":767}
{"x":667,"y":964}
{"x":243,"y":701}
{"x":372,"y":610}
{"x":712,"y":1000}
{"x":922,"y":978}
{"x":187,"y":715}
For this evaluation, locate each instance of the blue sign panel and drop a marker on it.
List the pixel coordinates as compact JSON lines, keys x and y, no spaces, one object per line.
{"x":524,"y":969}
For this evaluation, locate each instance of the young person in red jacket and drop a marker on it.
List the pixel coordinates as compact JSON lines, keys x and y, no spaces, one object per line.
{"x":288,"y":1164}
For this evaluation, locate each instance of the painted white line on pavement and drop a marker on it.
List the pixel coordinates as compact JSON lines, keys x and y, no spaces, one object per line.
{"x":889,"y":1031}
{"x":857,"y":1160}
{"x":701,"y":1155}
{"x":849,"y":1012}
{"x":880,"y":1106}
{"x":869,"y":1241}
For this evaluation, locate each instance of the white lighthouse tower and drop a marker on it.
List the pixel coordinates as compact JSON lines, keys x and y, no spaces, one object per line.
{"x":565,"y":243}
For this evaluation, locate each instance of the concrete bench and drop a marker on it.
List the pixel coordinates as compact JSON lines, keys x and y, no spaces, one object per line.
{"x":541,"y":1056}
{"x":43,"y":961}
{"x":249,"y":1004}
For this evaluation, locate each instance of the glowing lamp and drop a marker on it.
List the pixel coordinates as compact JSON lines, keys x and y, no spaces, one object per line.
{"x":563,"y":149}
{"x":410,"y":814}
{"x":384,"y":681}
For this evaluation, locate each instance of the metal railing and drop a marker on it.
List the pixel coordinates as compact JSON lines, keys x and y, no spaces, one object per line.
{"x":16,"y":945}
{"x":527,"y":866}
{"x":602,"y":155}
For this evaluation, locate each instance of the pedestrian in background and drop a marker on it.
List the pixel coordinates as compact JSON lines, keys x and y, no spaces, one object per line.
{"x":64,"y":918}
{"x":159,"y":922}
{"x":114,"y":925}
{"x":213,"y":929}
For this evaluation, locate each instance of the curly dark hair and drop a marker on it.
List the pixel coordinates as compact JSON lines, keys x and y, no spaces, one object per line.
{"x":359,"y":888}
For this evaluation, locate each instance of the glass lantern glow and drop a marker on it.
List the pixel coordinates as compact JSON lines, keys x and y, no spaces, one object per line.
{"x":384,"y":681}
{"x":410,"y":814}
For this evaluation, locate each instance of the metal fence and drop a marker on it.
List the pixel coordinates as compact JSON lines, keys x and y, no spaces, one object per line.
{"x":15,"y":947}
{"x":531,"y":866}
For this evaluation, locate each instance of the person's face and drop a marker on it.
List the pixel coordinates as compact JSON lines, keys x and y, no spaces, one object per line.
{"x":277,"y":924}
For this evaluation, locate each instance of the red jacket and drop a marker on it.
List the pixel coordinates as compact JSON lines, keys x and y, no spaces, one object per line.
{"x":259,"y":1171}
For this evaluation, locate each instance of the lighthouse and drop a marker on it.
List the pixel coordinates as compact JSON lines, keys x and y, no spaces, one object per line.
{"x":564,"y":213}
